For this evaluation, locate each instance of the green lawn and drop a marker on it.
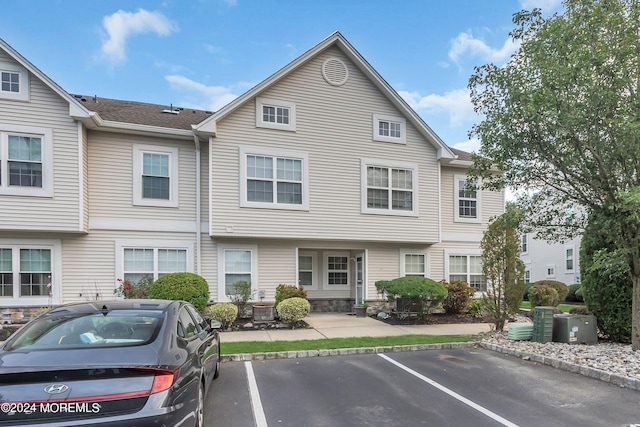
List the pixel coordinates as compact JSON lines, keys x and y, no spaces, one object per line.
{"x":564,"y":307}
{"x":336,"y":343}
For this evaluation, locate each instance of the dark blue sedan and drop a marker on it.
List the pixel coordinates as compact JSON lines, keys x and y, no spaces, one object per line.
{"x":110,"y":363}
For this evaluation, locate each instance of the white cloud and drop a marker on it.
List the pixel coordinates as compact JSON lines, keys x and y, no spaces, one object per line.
{"x":466,"y":45}
{"x":122,"y":25}
{"x":546,"y":5}
{"x":205,"y":97}
{"x":456,"y":104}
{"x":470,"y":146}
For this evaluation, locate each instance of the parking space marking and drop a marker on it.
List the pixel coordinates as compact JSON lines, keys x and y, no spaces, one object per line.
{"x":256,"y":403}
{"x":451,"y":393}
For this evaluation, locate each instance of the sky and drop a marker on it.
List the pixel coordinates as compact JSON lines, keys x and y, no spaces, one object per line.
{"x":204,"y":53}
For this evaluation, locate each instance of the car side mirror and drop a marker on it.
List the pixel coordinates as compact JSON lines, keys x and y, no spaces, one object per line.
{"x":215,"y":324}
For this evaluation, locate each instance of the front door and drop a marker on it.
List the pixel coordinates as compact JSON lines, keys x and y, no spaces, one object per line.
{"x":360,"y":278}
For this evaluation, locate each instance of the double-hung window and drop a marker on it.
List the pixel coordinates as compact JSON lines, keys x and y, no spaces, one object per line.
{"x":275,"y":114}
{"x":150,"y":262}
{"x":307,"y":269}
{"x":569,"y":259}
{"x":27,"y":272}
{"x":276,"y":180}
{"x":466,"y":268}
{"x":336,"y":270}
{"x":155,"y":176}
{"x":524,"y":243}
{"x":389,"y":188}
{"x":467,"y":201}
{"x":413,"y":263}
{"x":236,"y":263}
{"x":389,"y":129}
{"x":25,"y":161}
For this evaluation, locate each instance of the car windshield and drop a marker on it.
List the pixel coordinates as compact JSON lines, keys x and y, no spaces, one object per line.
{"x":117,"y":328}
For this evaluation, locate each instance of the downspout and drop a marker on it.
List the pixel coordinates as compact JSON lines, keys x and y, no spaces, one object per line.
{"x":198,"y":256}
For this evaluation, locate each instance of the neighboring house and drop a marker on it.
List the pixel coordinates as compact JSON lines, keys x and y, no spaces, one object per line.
{"x":552,"y":261}
{"x":321,"y":175}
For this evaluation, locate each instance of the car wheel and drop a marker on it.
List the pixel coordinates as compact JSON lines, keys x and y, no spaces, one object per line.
{"x":216,"y":374}
{"x":200,"y":408}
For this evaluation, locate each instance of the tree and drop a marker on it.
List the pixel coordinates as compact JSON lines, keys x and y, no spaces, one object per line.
{"x":562,"y":121}
{"x":503,"y":267}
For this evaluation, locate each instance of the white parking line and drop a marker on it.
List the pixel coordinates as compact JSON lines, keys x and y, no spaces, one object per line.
{"x":451,"y":393}
{"x":256,"y":403}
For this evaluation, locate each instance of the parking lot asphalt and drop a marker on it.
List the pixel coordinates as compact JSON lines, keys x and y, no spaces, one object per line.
{"x":342,"y":325}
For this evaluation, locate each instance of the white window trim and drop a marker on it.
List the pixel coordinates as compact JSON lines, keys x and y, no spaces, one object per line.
{"x":573,"y":249}
{"x":23,"y":93}
{"x":121,"y":245}
{"x":47,"y":161}
{"x":456,"y":202}
{"x":172,"y":152}
{"x":546,"y":271}
{"x":471,"y":252}
{"x":364,"y":164}
{"x":261,"y":102}
{"x":314,"y":272}
{"x":377,"y":118}
{"x":222,"y":295}
{"x":403,"y":266}
{"x":525,"y":276}
{"x":524,"y":237}
{"x":325,"y":268}
{"x":56,"y":271}
{"x":244,"y":203}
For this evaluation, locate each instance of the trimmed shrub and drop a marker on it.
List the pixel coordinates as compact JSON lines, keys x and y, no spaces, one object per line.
{"x":425,"y":292}
{"x":543,"y":295}
{"x":240,"y":295}
{"x":458,"y":297}
{"x":284,"y":292}
{"x":561,"y":288}
{"x":527,"y":286}
{"x":225,"y":312}
{"x":475,"y":308}
{"x":182,"y":287}
{"x":292,"y":310}
{"x":581,"y":309}
{"x":571,"y":296}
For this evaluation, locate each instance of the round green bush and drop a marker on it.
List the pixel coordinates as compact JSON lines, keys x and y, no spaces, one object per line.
{"x":571,"y":296}
{"x":293,"y":310}
{"x":561,"y":288}
{"x":225,"y":312}
{"x":543,"y":295}
{"x":182,"y":287}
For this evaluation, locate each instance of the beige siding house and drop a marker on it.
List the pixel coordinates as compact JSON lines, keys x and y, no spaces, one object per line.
{"x":320,"y":176}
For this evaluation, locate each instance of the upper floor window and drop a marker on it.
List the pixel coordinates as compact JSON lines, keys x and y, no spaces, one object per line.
{"x":155,"y":176}
{"x":569,"y":259}
{"x":275,"y":114}
{"x":467,"y":201}
{"x":14,"y":82}
{"x":389,"y":188}
{"x":551,"y":271}
{"x":273,"y":179}
{"x":524,"y":243}
{"x":389,"y":129}
{"x":25,"y":161}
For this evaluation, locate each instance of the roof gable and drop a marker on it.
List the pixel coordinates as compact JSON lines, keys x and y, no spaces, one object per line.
{"x":209,"y":126}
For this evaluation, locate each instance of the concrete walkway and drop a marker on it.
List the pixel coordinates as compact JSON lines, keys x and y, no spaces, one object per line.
{"x":342,"y":325}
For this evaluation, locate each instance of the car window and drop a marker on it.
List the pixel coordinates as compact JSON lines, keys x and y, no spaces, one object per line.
{"x":186,"y":325}
{"x":199,"y":320}
{"x":118,"y":328}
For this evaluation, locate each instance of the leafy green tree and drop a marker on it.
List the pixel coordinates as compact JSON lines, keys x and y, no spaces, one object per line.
{"x":502,"y":267}
{"x":562,"y":121}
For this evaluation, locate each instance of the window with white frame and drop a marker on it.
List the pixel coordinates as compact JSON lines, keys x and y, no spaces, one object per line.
{"x":307,"y":269}
{"x":413,"y":263}
{"x":155,"y":176}
{"x":389,"y":129}
{"x":569,"y":259}
{"x":27,"y":272}
{"x":467,"y":201}
{"x":275,"y":114}
{"x":236,"y":263}
{"x":527,"y":276}
{"x":14,"y":82}
{"x":337,"y":270}
{"x":389,"y":188}
{"x":277,"y":180}
{"x":524,"y":243}
{"x":467,"y":268}
{"x":551,"y":271}
{"x":26,"y":161}
{"x":153,"y":262}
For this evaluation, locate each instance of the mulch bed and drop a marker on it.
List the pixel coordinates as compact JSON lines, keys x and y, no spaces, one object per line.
{"x":433,"y":319}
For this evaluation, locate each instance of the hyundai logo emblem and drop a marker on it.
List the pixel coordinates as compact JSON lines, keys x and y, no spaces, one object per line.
{"x":56,"y":388}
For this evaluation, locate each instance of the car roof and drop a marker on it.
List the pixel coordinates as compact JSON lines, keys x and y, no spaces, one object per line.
{"x":104,"y":306}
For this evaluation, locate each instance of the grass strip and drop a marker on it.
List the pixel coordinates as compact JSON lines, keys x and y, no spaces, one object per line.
{"x":563,"y":307}
{"x":249,"y":347}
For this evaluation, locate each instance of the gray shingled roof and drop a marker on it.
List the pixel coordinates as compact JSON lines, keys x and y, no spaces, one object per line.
{"x":142,"y":113}
{"x":462,"y":155}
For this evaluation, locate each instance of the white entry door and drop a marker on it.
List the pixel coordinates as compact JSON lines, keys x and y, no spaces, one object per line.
{"x":360,"y":278}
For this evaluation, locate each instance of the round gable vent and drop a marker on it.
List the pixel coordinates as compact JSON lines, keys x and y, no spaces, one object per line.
{"x":335,"y":72}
